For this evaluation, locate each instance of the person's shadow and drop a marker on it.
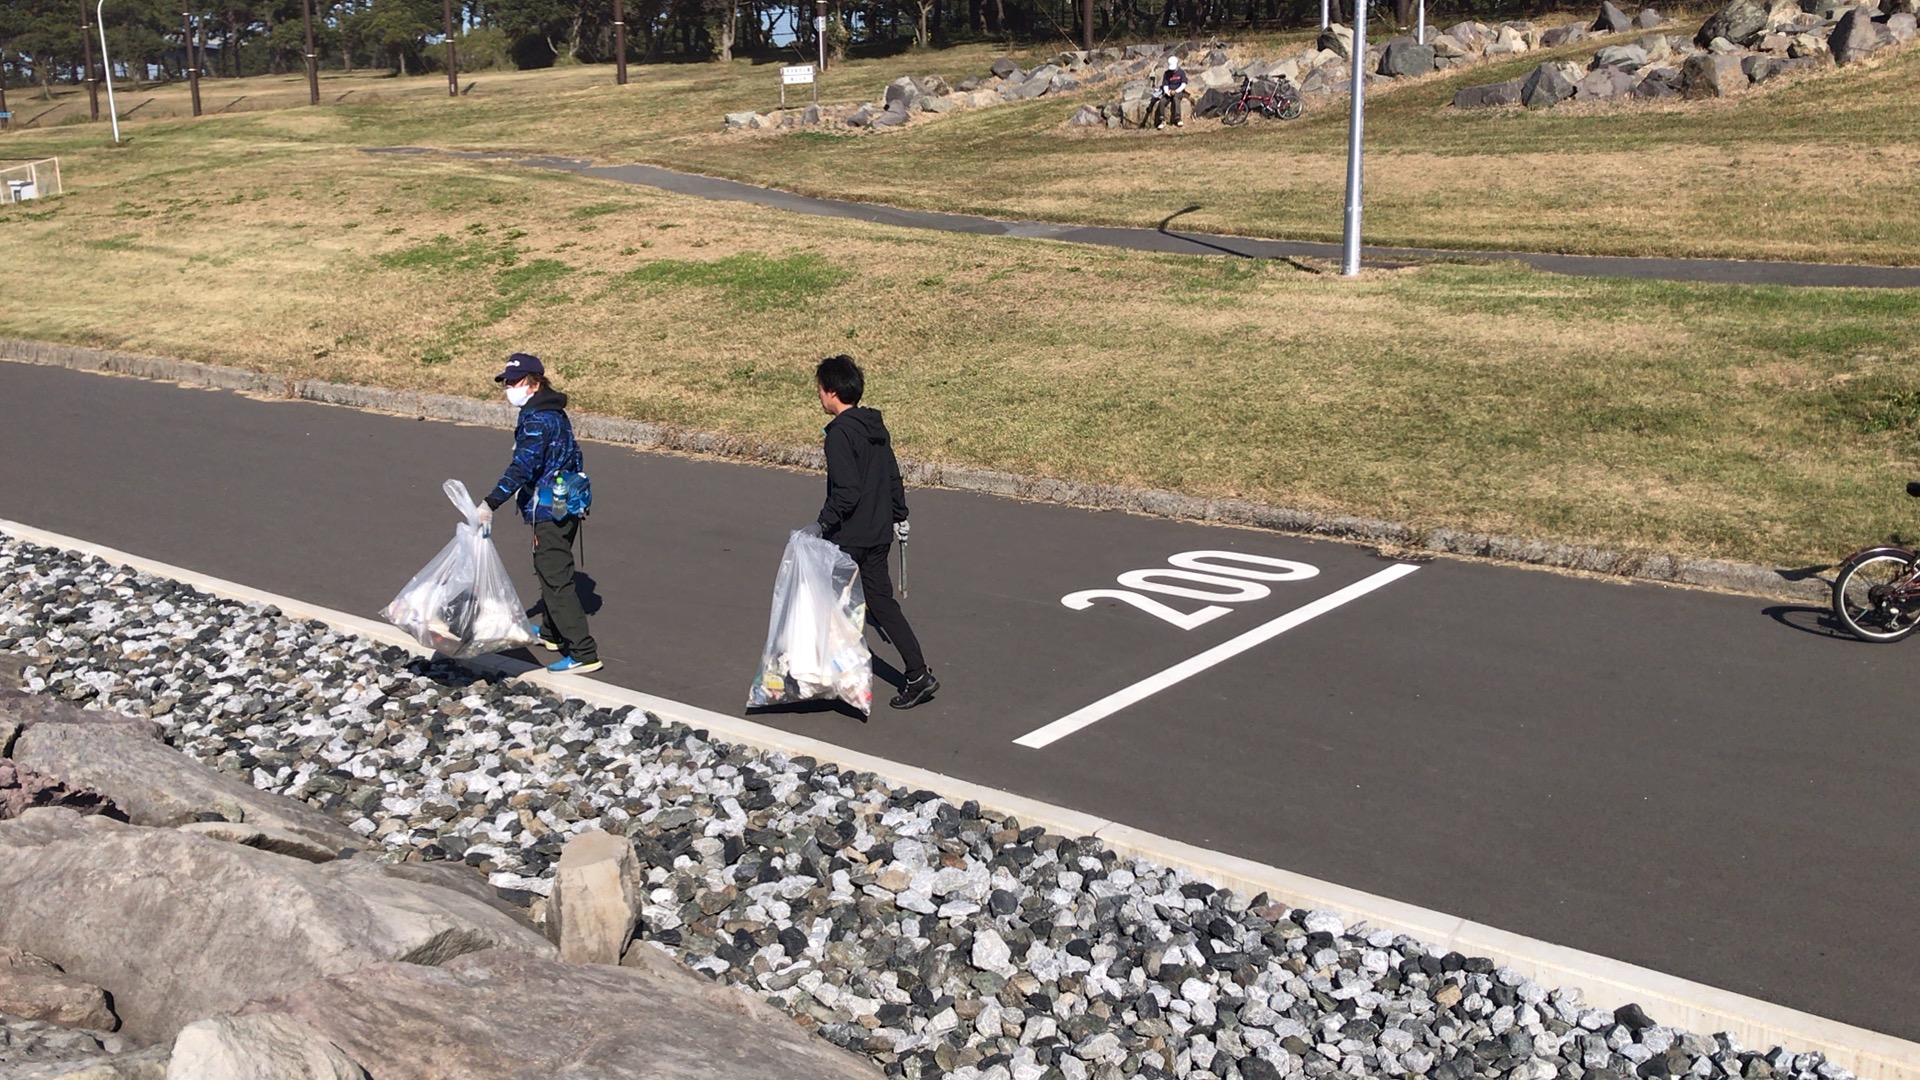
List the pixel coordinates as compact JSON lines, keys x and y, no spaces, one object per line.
{"x":588,"y":590}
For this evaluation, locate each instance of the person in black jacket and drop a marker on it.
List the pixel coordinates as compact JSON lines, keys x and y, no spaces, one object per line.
{"x":866,"y":510}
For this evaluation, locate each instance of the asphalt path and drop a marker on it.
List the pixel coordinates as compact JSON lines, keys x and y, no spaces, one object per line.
{"x":1167,"y":238}
{"x":1714,"y":786}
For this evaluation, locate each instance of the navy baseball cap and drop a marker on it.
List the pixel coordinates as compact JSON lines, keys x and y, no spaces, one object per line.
{"x":519,"y":366}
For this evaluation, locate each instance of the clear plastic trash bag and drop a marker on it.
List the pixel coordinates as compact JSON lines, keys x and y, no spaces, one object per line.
{"x":462,"y":603}
{"x":816,"y":643}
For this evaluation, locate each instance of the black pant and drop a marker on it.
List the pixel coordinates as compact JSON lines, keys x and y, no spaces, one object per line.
{"x":566,"y":620}
{"x":883,"y":610}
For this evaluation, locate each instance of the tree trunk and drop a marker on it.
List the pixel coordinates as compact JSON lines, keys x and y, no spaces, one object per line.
{"x":728,"y":16}
{"x":921,"y":8}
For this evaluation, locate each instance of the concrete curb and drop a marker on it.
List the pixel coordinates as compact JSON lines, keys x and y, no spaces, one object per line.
{"x":1666,"y":569}
{"x":1605,"y":982}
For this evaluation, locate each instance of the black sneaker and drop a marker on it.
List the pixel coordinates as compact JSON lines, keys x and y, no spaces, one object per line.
{"x":917,"y":691}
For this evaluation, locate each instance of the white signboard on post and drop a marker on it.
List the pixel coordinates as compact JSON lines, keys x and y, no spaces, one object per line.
{"x":797,"y":75}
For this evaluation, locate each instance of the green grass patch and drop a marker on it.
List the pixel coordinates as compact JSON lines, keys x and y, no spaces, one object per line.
{"x":750,"y":280}
{"x":444,"y":254}
{"x":594,"y":210}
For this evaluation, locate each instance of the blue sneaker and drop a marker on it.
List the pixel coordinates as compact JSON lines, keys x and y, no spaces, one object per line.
{"x":541,"y":639}
{"x":567,"y":665}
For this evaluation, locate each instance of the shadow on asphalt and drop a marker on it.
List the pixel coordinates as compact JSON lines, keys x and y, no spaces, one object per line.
{"x":1808,"y":620}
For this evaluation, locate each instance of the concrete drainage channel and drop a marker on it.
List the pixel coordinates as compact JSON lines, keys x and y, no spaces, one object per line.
{"x":945,"y":938}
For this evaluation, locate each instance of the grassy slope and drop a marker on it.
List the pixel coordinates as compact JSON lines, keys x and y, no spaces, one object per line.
{"x":1741,"y":422}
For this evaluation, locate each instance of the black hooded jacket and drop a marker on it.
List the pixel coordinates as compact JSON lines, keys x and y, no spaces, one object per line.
{"x":864,"y":493}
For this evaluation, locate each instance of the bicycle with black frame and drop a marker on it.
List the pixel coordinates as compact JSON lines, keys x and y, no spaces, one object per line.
{"x":1283,"y":103}
{"x":1876,"y":593}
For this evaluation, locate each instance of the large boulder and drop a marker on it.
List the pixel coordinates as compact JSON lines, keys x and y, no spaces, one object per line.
{"x":599,"y":886}
{"x":149,"y":1063}
{"x":1739,"y":21}
{"x":1808,"y":47}
{"x":1611,"y":19}
{"x":1489,"y":96}
{"x":1547,"y":85}
{"x":1712,"y":75}
{"x":1213,"y":103}
{"x":1508,"y":41}
{"x":1624,"y":57}
{"x":1404,"y":58}
{"x":153,"y":783}
{"x":179,"y":927}
{"x":905,"y":90}
{"x":36,"y":989}
{"x":1563,"y":35}
{"x":1759,"y":69}
{"x":1603,"y":83}
{"x":1784,"y":13}
{"x":509,"y":1016}
{"x":266,"y":1047}
{"x":1901,"y":25}
{"x":1648,"y":19}
{"x":1338,"y":40}
{"x":1217,"y":77}
{"x":1658,"y":83}
{"x":1031,"y":85}
{"x":1332,"y":79}
{"x":1004,"y":67}
{"x":1854,"y":37}
{"x":23,"y":789}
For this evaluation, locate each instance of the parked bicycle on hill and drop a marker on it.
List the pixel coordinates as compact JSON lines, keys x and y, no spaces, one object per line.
{"x":1283,"y":103}
{"x":1876,"y":594}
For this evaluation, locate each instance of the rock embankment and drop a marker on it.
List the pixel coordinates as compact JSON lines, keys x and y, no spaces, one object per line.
{"x":933,"y":938}
{"x":1743,"y":44}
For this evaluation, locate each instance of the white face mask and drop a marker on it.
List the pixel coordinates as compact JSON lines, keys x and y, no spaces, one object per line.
{"x":519,"y":395}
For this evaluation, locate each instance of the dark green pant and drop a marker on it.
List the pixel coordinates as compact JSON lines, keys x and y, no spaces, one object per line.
{"x":566,"y":620}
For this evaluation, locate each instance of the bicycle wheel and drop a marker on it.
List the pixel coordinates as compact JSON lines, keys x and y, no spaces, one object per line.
{"x":1236,"y":114}
{"x":1289,"y":108}
{"x":1871,"y":595}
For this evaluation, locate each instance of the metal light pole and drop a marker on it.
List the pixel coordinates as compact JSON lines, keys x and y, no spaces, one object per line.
{"x":1325,"y":16}
{"x":820,"y":30}
{"x":193,"y":69}
{"x":106,"y":67}
{"x":619,"y":44}
{"x":1420,"y":35}
{"x":313,"y":58}
{"x":86,"y":44}
{"x":1350,"y":256}
{"x":453,"y":61}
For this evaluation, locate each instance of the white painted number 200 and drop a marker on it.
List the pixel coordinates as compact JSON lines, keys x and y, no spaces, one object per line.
{"x":1226,"y":577}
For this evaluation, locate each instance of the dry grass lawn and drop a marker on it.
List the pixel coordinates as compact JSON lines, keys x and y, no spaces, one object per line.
{"x":1750,"y":423}
{"x":1777,"y":173}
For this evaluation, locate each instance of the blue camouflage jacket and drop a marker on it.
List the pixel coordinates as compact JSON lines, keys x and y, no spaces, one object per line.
{"x":543,"y":444}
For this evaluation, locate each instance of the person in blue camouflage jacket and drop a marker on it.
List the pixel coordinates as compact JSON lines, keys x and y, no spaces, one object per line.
{"x":543,"y":444}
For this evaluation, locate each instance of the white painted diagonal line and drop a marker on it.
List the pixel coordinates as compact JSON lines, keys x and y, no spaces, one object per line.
{"x":1226,"y":650}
